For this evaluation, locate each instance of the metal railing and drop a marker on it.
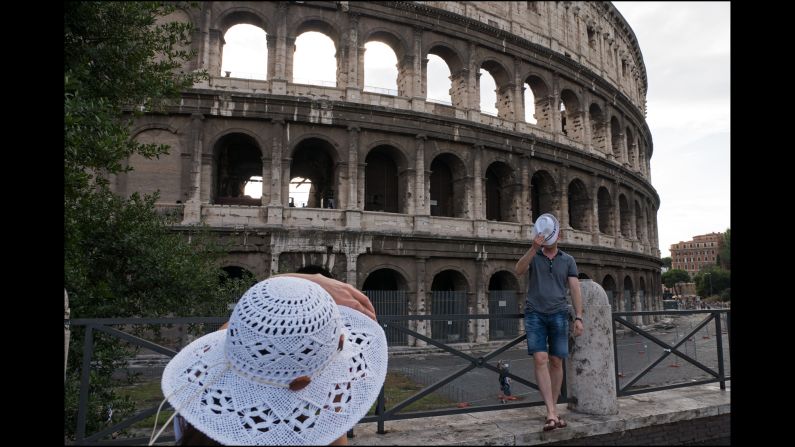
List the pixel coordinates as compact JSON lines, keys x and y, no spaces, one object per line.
{"x":668,"y":349}
{"x":380,"y":90}
{"x":397,"y":326}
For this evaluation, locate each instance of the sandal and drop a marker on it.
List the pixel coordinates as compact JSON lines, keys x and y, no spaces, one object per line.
{"x":561,"y":423}
{"x":550,"y":424}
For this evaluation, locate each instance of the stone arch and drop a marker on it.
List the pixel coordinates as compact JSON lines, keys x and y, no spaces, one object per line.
{"x":571,"y":123}
{"x":398,"y":46}
{"x":631,"y":148}
{"x":623,"y":211}
{"x":237,"y":159}
{"x":609,"y":284}
{"x":503,"y":288}
{"x":615,"y":139}
{"x":449,"y":290}
{"x":580,"y":206}
{"x":458,"y":81}
{"x":163,"y":174}
{"x":384,"y":186}
{"x":606,"y":211}
{"x":640,"y":232}
{"x":312,"y":269}
{"x":543,"y":194}
{"x":501,"y":188}
{"x":598,"y":128}
{"x":502,"y":79}
{"x":542,"y":99}
{"x":388,"y":290}
{"x":629,"y":292}
{"x":320,"y":25}
{"x":316,"y":158}
{"x":448,"y":186}
{"x":236,"y":271}
{"x":395,"y":41}
{"x":152,"y":126}
{"x":242,"y":15}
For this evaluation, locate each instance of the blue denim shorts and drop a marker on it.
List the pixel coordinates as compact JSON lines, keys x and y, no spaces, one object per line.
{"x":542,"y":328}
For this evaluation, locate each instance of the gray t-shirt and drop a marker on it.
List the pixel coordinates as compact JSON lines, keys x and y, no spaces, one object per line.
{"x":546,"y":289}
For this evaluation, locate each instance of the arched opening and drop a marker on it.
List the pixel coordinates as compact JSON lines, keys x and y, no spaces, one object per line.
{"x":542,"y":192}
{"x":582,"y":275}
{"x":570,"y":119}
{"x":539,"y":111}
{"x":579,"y":206}
{"x":245,"y":52}
{"x":631,"y":149}
{"x":439,"y":81}
{"x":449,"y":297}
{"x":238,"y":162}
{"x":447,"y":188}
{"x":598,"y":128}
{"x":445,"y":80}
{"x":315,"y":61}
{"x":299,"y":192}
{"x":605,"y":206}
{"x":629,"y":292}
{"x":380,"y":68}
{"x":502,"y":300}
{"x":314,"y":159}
{"x":639,"y":228}
{"x":615,"y":139}
{"x":500,"y":188}
{"x":384,"y":190}
{"x":233,"y":272}
{"x":313,"y":269}
{"x":644,"y":301}
{"x":488,"y":93}
{"x":623,"y":209}
{"x":609,"y":284}
{"x":388,"y":291}
{"x":503,"y":94}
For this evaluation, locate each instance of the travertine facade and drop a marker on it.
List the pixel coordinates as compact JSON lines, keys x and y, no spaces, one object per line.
{"x":428,"y":198}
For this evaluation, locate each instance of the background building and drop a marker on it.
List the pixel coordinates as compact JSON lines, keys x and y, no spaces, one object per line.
{"x":690,"y":256}
{"x":425,"y":206}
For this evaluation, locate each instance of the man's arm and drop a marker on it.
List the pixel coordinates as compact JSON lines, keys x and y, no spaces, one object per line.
{"x":576,"y":300}
{"x":524,"y":262}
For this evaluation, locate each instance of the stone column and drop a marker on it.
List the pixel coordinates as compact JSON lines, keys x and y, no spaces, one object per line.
{"x":421,"y":327}
{"x":265,"y":199}
{"x":617,"y":213}
{"x":204,"y":63}
{"x":478,"y":213}
{"x":563,"y":216}
{"x":350,"y":264}
{"x":518,"y":95}
{"x":595,"y":209}
{"x":271,"y":40}
{"x":275,"y":205}
{"x":555,"y":106}
{"x":353,"y":163}
{"x":524,"y":216}
{"x":353,"y":91}
{"x":480,"y":327}
{"x":421,"y":203}
{"x":419,"y":64}
{"x":590,"y":369}
{"x":214,"y":53}
{"x":192,"y":211}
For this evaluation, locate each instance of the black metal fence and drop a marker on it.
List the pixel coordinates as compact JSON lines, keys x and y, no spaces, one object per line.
{"x":449,"y":328}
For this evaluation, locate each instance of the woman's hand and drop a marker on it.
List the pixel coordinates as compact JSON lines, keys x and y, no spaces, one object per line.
{"x":342,"y":293}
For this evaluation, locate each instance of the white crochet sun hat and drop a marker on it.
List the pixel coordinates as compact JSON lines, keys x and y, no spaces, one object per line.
{"x":292,"y":368}
{"x":547,"y":225}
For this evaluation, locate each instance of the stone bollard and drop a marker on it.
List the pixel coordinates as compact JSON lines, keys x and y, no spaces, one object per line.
{"x":590,"y":368}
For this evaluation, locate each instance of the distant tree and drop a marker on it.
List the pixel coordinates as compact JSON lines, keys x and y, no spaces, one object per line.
{"x":724,"y":254}
{"x":667,"y":262}
{"x":714,"y":277}
{"x":673,"y":276}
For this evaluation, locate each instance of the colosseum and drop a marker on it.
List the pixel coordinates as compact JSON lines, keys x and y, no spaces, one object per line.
{"x":424,"y":205}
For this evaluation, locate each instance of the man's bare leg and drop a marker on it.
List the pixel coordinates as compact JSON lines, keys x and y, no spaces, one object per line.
{"x":544,"y":379}
{"x":556,"y":375}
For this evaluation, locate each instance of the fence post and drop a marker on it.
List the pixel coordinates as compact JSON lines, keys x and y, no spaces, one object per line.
{"x":591,"y":370}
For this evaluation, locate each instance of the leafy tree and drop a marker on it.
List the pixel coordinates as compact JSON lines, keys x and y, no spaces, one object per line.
{"x":121,"y":258}
{"x":667,"y":262}
{"x":724,"y":253}
{"x":712,"y":280}
{"x":673,"y":276}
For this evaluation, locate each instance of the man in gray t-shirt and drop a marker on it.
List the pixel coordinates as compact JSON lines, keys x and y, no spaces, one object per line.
{"x":550,"y":271}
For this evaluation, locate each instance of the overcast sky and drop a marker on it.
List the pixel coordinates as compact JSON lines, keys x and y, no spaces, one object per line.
{"x":685,"y":48}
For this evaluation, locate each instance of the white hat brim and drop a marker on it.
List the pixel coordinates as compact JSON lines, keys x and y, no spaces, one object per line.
{"x":234,"y":410}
